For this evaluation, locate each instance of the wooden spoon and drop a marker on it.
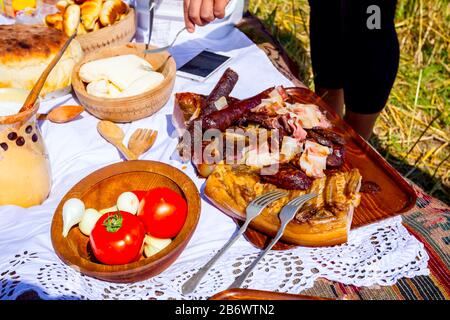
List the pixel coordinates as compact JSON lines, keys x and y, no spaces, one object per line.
{"x":141,"y":141}
{"x":61,"y":114}
{"x":34,"y":93}
{"x":114,"y":135}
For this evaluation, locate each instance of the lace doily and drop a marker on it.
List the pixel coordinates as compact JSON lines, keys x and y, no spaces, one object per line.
{"x":378,"y":254}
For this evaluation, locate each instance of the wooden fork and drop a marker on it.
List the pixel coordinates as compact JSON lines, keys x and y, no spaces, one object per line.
{"x":141,"y":141}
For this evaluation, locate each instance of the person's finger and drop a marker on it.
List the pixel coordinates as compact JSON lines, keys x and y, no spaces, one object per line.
{"x":219,"y":8}
{"x":190,"y":26}
{"x":194,"y":12}
{"x":207,"y":11}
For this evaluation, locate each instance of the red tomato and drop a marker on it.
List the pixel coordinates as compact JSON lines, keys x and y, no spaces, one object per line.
{"x":140,"y":194}
{"x":163,"y":212}
{"x":117,"y":238}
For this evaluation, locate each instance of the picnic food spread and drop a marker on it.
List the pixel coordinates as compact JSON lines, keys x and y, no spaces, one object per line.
{"x":130,"y":220}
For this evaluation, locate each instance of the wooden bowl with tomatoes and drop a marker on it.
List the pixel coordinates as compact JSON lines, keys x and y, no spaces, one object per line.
{"x":164,"y":190}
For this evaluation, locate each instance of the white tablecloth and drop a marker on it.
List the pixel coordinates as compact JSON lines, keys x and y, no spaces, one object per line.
{"x":377,"y":254}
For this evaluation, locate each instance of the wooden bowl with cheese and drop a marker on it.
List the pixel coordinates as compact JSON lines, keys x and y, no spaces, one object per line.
{"x":122,"y":107}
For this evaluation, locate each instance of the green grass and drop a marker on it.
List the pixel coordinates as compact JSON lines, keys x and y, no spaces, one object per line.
{"x":413,"y":131}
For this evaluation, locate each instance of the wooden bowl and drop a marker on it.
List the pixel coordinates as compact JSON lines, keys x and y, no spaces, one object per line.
{"x":100,"y":190}
{"x":128,"y":109}
{"x":119,"y":33}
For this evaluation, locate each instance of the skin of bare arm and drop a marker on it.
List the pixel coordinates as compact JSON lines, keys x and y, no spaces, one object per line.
{"x":202,"y":12}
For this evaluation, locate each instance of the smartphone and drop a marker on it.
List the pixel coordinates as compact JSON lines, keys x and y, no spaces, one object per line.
{"x":203,"y":65}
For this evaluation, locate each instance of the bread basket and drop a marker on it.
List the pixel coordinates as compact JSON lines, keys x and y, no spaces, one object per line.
{"x":119,"y":33}
{"x":132,"y":108}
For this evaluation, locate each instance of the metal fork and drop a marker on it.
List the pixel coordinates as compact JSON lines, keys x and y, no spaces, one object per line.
{"x":166,"y":47}
{"x":253,"y":210}
{"x":286,"y":215}
{"x":151,"y":12}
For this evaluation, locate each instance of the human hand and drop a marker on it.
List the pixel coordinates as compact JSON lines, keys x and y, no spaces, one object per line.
{"x":202,"y":12}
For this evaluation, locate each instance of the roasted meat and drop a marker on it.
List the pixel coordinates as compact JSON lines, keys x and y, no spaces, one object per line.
{"x":329,"y":135}
{"x":223,"y":88}
{"x":336,"y":159}
{"x":337,"y":193}
{"x":223,"y":119}
{"x":288,"y":177}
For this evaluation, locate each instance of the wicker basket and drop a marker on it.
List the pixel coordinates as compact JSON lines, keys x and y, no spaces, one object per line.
{"x":132,"y":108}
{"x":120,"y":33}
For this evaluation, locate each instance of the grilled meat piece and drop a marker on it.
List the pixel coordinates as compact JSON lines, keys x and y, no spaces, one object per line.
{"x":223,"y":88}
{"x":288,"y":177}
{"x":189,"y":103}
{"x":222,"y":119}
{"x":266,"y":122}
{"x":370,"y":187}
{"x":314,"y":136}
{"x":329,"y":135}
{"x":336,"y":159}
{"x":335,"y":195}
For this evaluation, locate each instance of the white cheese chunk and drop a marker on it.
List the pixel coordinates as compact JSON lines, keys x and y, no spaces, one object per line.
{"x":148,"y":81}
{"x":122,"y":71}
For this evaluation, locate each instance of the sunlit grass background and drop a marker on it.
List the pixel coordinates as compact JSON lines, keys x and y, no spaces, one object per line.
{"x":413,"y":131}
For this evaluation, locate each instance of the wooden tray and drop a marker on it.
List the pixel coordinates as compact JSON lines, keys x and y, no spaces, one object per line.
{"x":249,"y":294}
{"x":100,"y":190}
{"x":396,"y":195}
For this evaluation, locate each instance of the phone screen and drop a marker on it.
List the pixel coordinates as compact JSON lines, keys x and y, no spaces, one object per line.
{"x":204,"y":64}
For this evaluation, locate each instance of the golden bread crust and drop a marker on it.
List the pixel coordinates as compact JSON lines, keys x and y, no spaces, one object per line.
{"x":26,"y":50}
{"x":19,"y":42}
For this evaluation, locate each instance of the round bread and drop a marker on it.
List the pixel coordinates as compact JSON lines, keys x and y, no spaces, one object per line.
{"x":26,"y":50}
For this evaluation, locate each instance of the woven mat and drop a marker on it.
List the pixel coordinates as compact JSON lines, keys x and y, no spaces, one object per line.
{"x":429,"y":221}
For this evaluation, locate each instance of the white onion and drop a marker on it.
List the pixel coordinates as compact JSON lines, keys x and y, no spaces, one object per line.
{"x":88,"y":221}
{"x":128,"y":202}
{"x":73,"y":211}
{"x":154,"y":245}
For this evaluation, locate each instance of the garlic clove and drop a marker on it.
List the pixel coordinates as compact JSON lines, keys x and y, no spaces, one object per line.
{"x":73,"y":211}
{"x":154,"y":245}
{"x":128,"y":202}
{"x":108,"y":210}
{"x":88,"y":221}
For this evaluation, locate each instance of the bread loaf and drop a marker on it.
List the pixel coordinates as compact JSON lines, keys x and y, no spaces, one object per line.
{"x":90,"y":10}
{"x":25,"y":51}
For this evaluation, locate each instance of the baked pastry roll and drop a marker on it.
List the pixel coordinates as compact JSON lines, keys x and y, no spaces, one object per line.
{"x":71,"y":19}
{"x":90,"y":10}
{"x":112,"y":11}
